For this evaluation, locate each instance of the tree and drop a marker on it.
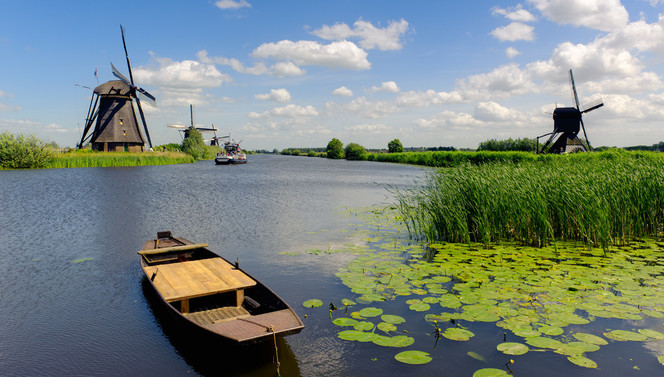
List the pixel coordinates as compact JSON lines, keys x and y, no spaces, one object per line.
{"x":335,"y":149}
{"x":194,"y":145}
{"x":355,"y":151}
{"x":395,"y":146}
{"x":23,"y":152}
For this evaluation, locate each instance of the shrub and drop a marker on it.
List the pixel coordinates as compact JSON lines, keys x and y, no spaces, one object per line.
{"x":355,"y":151}
{"x":23,"y":152}
{"x":194,"y":145}
{"x":335,"y":149}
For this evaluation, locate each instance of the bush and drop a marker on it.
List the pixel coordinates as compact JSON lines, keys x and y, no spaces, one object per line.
{"x":335,"y":149}
{"x":355,"y":151}
{"x":395,"y":146}
{"x":23,"y":152}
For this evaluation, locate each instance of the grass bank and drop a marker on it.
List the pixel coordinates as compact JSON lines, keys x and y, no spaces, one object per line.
{"x":88,"y":159}
{"x":447,"y":159}
{"x":600,"y":199}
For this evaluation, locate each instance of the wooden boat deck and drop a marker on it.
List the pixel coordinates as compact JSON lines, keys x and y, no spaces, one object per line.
{"x":281,"y":322}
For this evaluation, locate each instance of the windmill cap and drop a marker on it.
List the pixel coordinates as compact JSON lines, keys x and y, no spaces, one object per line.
{"x":111,"y":87}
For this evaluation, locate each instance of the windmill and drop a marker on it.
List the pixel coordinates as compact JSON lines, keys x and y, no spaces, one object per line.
{"x":112,"y":112}
{"x":186,"y":129}
{"x":567,"y":121}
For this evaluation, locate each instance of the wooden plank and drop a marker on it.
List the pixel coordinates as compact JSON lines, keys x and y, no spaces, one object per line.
{"x":172,"y":248}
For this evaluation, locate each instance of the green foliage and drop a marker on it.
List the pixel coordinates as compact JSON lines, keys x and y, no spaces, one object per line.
{"x":193,"y":145}
{"x":354,"y":151}
{"x":172,"y":147}
{"x":522,"y":145}
{"x":602,"y":199}
{"x":335,"y":149}
{"x":395,"y":146}
{"x":87,"y":159}
{"x":311,"y":153}
{"x":23,"y":152}
{"x":453,"y":159}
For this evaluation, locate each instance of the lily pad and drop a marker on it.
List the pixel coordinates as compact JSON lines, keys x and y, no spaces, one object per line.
{"x":413,"y":357}
{"x":370,"y":312}
{"x":490,"y":372}
{"x":590,"y":338}
{"x":544,"y":342}
{"x":386,"y":327}
{"x":510,"y":348}
{"x":395,"y":341}
{"x":348,"y":302}
{"x":420,"y":307}
{"x":344,"y":321}
{"x":582,"y":361}
{"x":360,"y":336}
{"x":393,"y":319}
{"x":313,"y":303}
{"x":624,"y":335}
{"x":364,"y":326}
{"x":652,"y":334}
{"x":455,"y":333}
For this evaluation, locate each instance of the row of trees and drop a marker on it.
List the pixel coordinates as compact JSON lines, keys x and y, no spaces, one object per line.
{"x":353,"y":151}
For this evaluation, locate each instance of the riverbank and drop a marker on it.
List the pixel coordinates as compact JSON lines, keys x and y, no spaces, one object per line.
{"x":89,"y":159}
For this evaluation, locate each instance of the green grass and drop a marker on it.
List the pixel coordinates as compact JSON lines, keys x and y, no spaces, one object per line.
{"x":601,"y":199}
{"x":453,"y":159}
{"x":80,"y":159}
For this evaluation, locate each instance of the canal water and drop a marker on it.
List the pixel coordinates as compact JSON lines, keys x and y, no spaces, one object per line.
{"x":74,"y":302}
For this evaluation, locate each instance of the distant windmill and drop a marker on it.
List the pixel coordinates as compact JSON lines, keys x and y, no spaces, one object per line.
{"x":186,"y":129}
{"x":566,"y":124}
{"x":112,"y":112}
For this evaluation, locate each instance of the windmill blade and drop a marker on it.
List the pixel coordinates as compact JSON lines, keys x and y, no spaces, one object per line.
{"x":178,"y":126}
{"x":146,"y":96}
{"x":576,"y":97}
{"x":119,"y":75}
{"x":596,"y":104}
{"x":585,"y":135}
{"x":83,"y":86}
{"x":145,"y":125}
{"x":131,"y":77}
{"x":205,"y":129}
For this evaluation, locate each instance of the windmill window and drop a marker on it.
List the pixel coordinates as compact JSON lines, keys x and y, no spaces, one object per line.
{"x":121,"y":121}
{"x":124,"y":132}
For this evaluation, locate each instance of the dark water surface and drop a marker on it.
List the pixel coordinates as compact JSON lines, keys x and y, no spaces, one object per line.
{"x":73,"y":299}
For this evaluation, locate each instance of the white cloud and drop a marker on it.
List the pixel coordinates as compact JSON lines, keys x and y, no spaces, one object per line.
{"x":342,"y":54}
{"x":605,"y":15}
{"x":368,"y":129}
{"x":369,"y":109}
{"x":277,"y":95}
{"x":280,"y":69}
{"x":370,"y":37}
{"x":52,"y":127}
{"x":448,"y":119}
{"x":288,"y":111}
{"x":494,"y":112}
{"x":512,"y":52}
{"x":515,"y":31}
{"x":230,"y":4}
{"x":184,"y":74}
{"x":429,"y":97}
{"x":516,"y":14}
{"x":387,"y":86}
{"x":342,"y":92}
{"x":504,"y":81}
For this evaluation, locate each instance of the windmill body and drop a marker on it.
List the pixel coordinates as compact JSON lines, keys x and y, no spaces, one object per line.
{"x":187,"y":129}
{"x":111,"y":111}
{"x":567,"y":122}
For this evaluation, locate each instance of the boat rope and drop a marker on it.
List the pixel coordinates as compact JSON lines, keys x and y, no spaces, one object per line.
{"x":267,"y":328}
{"x":276,"y":350}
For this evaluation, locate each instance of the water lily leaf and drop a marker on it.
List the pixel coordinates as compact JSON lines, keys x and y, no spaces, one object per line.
{"x":343,"y":321}
{"x":526,"y":332}
{"x":576,"y":348}
{"x":590,"y":338}
{"x":370,"y":312}
{"x":660,"y":359}
{"x":455,"y":333}
{"x":476,"y":356}
{"x":394,"y":319}
{"x":347,"y":302}
{"x":490,"y":372}
{"x":652,"y":334}
{"x":364,"y":326}
{"x":371,"y":297}
{"x":544,"y":342}
{"x":386,"y":327}
{"x":510,"y":348}
{"x":313,"y":303}
{"x":360,"y":336}
{"x":413,"y":357}
{"x":551,"y":330}
{"x":582,"y":361}
{"x":402,"y":341}
{"x":420,"y":307}
{"x":624,"y":335}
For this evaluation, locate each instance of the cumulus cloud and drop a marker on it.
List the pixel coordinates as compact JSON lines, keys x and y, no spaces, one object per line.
{"x":515,"y":14}
{"x":288,"y":111}
{"x":182,"y":74}
{"x":368,"y":129}
{"x":504,"y":81}
{"x":277,"y":95}
{"x":604,"y":15}
{"x":371,"y":109}
{"x":515,"y":31}
{"x":387,"y":86}
{"x":342,"y":92}
{"x":494,"y":112}
{"x":342,"y":54}
{"x":428,"y":97}
{"x":448,"y":119}
{"x":370,"y":37}
{"x":512,"y":52}
{"x":230,"y":4}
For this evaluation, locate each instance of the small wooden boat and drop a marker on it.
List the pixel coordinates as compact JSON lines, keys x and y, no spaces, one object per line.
{"x":206,"y":291}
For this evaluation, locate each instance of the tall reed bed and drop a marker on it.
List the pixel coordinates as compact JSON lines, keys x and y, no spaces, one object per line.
{"x":601,"y":199}
{"x":452,"y":159}
{"x":110,"y":159}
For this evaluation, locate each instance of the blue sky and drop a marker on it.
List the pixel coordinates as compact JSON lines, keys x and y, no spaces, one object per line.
{"x":282,"y":74}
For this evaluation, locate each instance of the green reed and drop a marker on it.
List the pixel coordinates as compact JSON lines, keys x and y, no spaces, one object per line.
{"x":114,"y":159}
{"x":601,"y":199}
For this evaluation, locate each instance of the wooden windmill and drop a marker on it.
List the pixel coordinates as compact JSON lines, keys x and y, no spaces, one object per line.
{"x":567,"y":122}
{"x":186,"y":129}
{"x":111,"y":110}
